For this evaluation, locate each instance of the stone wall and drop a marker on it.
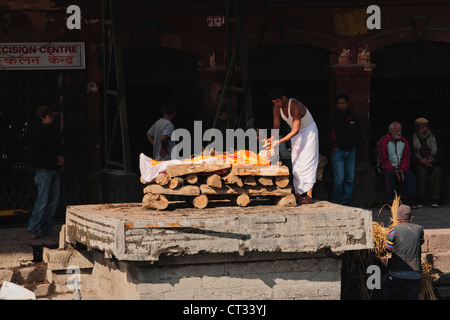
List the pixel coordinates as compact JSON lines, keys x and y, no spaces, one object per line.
{"x":283,"y":278}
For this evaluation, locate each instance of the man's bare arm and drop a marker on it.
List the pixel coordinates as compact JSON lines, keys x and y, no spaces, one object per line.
{"x":151,"y":139}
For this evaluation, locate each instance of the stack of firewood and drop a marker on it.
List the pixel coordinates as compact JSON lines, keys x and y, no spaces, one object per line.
{"x":198,"y":182}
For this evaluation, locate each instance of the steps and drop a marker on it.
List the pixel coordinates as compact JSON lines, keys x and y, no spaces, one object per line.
{"x":436,"y":251}
{"x":24,"y":262}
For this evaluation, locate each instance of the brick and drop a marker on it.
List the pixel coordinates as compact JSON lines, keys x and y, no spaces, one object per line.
{"x":42,"y":289}
{"x":57,"y":259}
{"x":6,"y":275}
{"x":31,"y":274}
{"x":436,"y":240}
{"x":12,"y":256}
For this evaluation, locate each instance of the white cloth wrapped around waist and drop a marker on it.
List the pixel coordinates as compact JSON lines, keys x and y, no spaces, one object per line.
{"x":305,"y":158}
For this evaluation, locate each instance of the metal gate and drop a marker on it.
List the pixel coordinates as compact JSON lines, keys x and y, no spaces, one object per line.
{"x":22,"y":92}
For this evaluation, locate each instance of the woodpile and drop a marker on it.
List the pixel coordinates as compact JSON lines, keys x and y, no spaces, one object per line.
{"x":197,"y":183}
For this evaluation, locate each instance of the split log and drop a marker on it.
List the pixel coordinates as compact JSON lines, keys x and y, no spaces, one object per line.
{"x":183,"y":191}
{"x":191,"y":178}
{"x":226,"y":189}
{"x":188,"y":168}
{"x":155,"y":201}
{"x":250,"y":181}
{"x":162,"y":179}
{"x":175,"y":182}
{"x":232,"y":179}
{"x":241,"y":200}
{"x":267,"y":191}
{"x":214,"y":181}
{"x":255,"y":170}
{"x":200,"y":201}
{"x":265,"y":181}
{"x":286,"y":201}
{"x":282,"y":181}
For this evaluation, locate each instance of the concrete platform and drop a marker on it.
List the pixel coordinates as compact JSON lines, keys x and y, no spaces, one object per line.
{"x":130,"y":232}
{"x":221,"y":252}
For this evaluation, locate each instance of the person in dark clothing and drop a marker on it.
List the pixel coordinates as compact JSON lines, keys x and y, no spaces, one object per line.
{"x":344,"y":133}
{"x":404,"y":241}
{"x":46,"y":157}
{"x":426,"y":162}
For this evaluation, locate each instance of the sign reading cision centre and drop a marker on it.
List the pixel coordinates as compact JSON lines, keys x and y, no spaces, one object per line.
{"x":42,"y":55}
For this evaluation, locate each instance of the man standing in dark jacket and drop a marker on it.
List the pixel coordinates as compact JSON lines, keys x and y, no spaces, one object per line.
{"x":45,"y":152}
{"x":344,"y":134}
{"x":404,"y":241}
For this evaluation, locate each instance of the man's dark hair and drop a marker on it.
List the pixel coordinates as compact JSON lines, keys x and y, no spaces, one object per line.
{"x":276,"y":93}
{"x":342,"y":96}
{"x":169,"y":108}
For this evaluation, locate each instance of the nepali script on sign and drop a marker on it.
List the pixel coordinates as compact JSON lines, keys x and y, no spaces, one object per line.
{"x":42,"y":56}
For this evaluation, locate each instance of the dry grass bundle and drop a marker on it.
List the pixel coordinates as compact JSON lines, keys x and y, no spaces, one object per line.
{"x":426,"y":282}
{"x":379,"y":234}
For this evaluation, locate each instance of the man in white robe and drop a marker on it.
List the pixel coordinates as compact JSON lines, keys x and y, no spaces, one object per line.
{"x":304,"y":142}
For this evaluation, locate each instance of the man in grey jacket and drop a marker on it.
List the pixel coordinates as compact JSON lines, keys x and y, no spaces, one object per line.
{"x":404,"y":241}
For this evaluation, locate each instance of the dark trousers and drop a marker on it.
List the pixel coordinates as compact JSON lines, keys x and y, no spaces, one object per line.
{"x":391,"y":183}
{"x":409,"y":289}
{"x":431,"y":178}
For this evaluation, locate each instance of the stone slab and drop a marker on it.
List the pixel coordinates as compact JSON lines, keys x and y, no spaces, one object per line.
{"x":133,"y":233}
{"x":57,"y":259}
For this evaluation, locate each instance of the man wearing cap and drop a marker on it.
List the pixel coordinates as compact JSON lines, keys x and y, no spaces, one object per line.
{"x":404,"y":241}
{"x":426,"y":160}
{"x":46,"y":157}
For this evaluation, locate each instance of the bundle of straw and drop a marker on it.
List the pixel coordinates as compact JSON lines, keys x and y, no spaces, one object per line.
{"x":427,"y":277}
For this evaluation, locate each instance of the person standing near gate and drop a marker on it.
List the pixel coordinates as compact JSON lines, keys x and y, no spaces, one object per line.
{"x":344,"y":133}
{"x":160,"y":134}
{"x":46,"y":157}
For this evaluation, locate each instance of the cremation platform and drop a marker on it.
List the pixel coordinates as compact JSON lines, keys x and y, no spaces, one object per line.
{"x":220,"y":252}
{"x":131,"y":232}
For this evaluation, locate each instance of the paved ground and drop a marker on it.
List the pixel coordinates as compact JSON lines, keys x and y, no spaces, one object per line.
{"x":427,"y":217}
{"x":17,"y":235}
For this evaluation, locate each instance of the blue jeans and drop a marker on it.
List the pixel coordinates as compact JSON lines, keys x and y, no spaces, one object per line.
{"x":343,"y":164}
{"x":48,"y":190}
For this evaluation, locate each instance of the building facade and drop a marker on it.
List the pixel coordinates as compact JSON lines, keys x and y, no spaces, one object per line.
{"x":391,"y":57}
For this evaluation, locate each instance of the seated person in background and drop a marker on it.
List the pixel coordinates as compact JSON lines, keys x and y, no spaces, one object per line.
{"x":394,"y":154}
{"x":425,"y":162}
